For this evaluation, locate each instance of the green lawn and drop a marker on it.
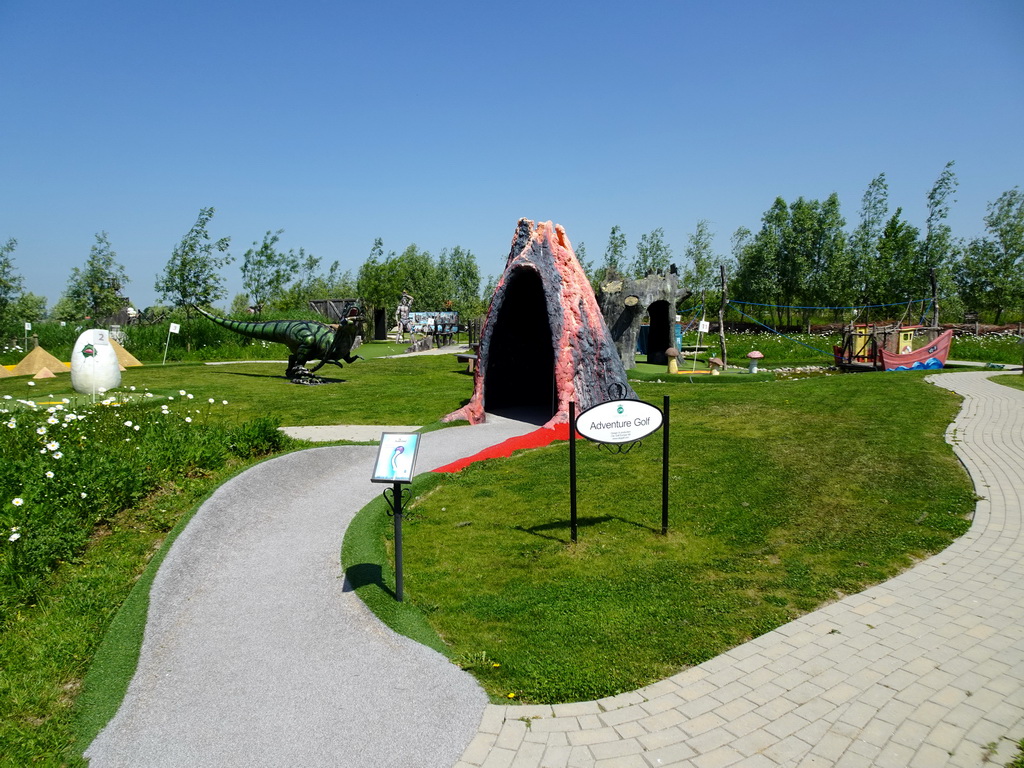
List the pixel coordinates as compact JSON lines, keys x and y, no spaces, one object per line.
{"x":1010,"y":380}
{"x":784,"y":496}
{"x":413,"y":390}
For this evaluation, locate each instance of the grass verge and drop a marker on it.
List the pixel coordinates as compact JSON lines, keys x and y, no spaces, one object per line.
{"x":1010,"y":380}
{"x":784,"y":496}
{"x":47,"y":648}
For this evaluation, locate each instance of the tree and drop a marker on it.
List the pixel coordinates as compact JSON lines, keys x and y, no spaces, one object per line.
{"x":377,"y":284}
{"x":29,"y":307}
{"x":898,"y":260}
{"x":586,"y":265}
{"x":463,"y":277}
{"x":653,"y":254}
{"x":191,"y":276}
{"x":830,"y":280}
{"x":10,"y":287}
{"x":1005,"y":223}
{"x":701,"y":273}
{"x":991,"y":274}
{"x":938,"y":251}
{"x":864,"y":240}
{"x":760,"y":257}
{"x":266,"y":271}
{"x":614,"y":257}
{"x":95,"y":289}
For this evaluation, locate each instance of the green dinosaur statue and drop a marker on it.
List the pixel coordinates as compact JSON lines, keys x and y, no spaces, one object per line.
{"x":306,"y":339}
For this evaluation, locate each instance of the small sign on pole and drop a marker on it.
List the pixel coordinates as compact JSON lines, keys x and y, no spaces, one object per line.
{"x":175,"y":328}
{"x":396,"y":464}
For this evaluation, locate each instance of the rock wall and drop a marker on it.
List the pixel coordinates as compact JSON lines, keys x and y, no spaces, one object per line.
{"x":625,"y":301}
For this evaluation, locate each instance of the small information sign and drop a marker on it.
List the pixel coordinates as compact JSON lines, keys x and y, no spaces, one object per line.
{"x":396,"y":457}
{"x":619,"y":421}
{"x":703,"y":326}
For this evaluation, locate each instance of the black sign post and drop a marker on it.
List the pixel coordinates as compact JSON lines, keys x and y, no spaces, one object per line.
{"x":395,"y":464}
{"x":623,"y":424}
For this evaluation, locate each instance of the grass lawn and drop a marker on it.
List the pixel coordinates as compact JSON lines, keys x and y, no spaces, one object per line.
{"x":784,"y":496}
{"x":1010,"y":380}
{"x":414,"y":390}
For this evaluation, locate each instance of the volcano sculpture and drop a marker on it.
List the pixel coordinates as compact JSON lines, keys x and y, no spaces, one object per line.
{"x":544,"y":342}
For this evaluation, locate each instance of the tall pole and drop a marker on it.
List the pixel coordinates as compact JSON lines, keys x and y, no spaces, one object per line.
{"x":399,"y":580}
{"x":721,"y":317}
{"x":572,"y":471}
{"x":664,"y":469}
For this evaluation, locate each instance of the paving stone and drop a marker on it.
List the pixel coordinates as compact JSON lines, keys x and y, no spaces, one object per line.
{"x":903,"y":674}
{"x":615,"y":749}
{"x":720,"y":758}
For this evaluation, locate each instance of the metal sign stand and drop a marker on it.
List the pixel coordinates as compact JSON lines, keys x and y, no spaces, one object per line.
{"x":398,"y":495}
{"x":623,"y":446}
{"x":396,"y":464}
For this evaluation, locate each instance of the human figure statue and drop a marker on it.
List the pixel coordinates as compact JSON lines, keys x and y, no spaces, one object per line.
{"x":402,"y":317}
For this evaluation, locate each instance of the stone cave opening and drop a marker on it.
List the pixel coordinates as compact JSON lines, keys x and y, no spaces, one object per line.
{"x":660,"y":336}
{"x":520,"y":372}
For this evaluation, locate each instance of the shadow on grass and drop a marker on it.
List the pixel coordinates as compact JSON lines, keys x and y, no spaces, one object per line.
{"x":581,"y":522}
{"x":324,"y":379}
{"x":366,"y":574}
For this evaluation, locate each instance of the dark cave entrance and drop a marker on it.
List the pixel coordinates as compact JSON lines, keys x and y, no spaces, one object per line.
{"x":520,"y":369}
{"x":659,"y":337}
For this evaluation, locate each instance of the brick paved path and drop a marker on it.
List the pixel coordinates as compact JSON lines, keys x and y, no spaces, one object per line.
{"x":925,"y":670}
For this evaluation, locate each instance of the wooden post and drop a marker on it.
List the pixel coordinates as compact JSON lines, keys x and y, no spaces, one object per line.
{"x":721,"y":317}
{"x":935,"y":305}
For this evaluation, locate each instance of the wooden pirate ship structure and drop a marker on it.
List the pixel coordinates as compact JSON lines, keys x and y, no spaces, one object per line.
{"x":893,"y":347}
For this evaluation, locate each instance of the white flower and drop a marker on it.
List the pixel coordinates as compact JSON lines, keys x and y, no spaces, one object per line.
{"x":136,"y":427}
{"x":14,"y":536}
{"x":58,"y":455}
{"x":52,"y":446}
{"x":49,"y":474}
{"x":12,"y":424}
{"x":182,"y":392}
{"x":17,"y":501}
{"x":132,"y":388}
{"x":225,"y":402}
{"x":210,"y":401}
{"x":189,"y":396}
{"x":65,"y":400}
{"x":188,"y":419}
{"x":41,"y":431}
{"x":148,"y":394}
{"x":170,"y":397}
{"x":82,"y":494}
{"x":128,"y":423}
{"x":52,"y":420}
{"x":31,"y":383}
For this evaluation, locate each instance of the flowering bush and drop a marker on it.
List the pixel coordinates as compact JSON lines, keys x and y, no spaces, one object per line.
{"x":68,"y":468}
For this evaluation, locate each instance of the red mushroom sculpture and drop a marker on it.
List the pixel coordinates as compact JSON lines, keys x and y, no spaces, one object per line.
{"x":754,"y":356}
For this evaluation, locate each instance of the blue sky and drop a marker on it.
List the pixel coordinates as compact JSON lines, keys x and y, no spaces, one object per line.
{"x":443,"y":123}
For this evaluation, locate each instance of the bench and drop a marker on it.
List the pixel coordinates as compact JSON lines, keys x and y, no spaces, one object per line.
{"x":468,"y":357}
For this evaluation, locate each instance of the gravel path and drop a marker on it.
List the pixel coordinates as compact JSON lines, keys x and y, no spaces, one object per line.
{"x":255,"y":654}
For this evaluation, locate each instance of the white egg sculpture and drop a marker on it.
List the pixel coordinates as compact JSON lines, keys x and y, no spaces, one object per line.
{"x":94,"y":364}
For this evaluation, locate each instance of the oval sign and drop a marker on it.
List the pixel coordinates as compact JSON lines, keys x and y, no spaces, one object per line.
{"x":619,"y":421}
